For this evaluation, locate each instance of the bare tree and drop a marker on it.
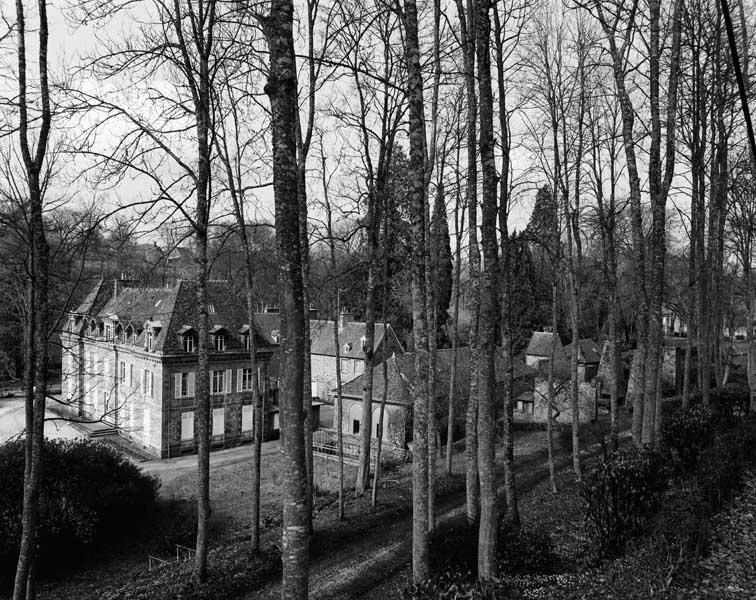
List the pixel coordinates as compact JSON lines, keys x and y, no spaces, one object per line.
{"x":34,"y":117}
{"x":282,"y":92}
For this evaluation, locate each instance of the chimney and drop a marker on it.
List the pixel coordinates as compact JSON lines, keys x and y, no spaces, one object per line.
{"x":313,"y":312}
{"x":345,"y":317}
{"x":115,"y":288}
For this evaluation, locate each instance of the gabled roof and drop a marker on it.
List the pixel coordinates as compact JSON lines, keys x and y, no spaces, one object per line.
{"x":174,"y":310}
{"x":401,"y":376}
{"x":321,"y":335}
{"x":540,"y":345}
{"x":95,"y":299}
{"x":588,"y":351}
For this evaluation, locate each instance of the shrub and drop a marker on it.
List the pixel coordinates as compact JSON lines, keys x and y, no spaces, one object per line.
{"x":525,"y":551}
{"x":620,"y":495}
{"x":89,"y":492}
{"x":454,"y":585}
{"x":231,"y":572}
{"x":722,"y":466}
{"x":681,"y":527}
{"x":686,"y":432}
{"x":454,"y":548}
{"x":724,"y":402}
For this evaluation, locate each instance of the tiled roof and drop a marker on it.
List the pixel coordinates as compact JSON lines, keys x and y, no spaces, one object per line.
{"x":540,"y":345}
{"x":95,"y":299}
{"x":174,"y":311}
{"x":401,"y":374}
{"x":321,"y":335}
{"x":589,"y":352}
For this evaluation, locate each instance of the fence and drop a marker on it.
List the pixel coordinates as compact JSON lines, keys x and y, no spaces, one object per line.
{"x":182,"y":553}
{"x":325,"y":444}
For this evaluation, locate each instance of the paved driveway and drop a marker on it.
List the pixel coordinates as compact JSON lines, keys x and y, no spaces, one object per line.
{"x":13,"y":422}
{"x":171,"y":468}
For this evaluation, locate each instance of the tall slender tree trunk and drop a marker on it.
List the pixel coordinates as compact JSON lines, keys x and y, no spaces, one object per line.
{"x":551,"y":399}
{"x":335,"y":279}
{"x":420,"y":547}
{"x":458,"y":227}
{"x":281,"y":89}
{"x":38,"y":320}
{"x":510,"y":488}
{"x":488,"y":526}
{"x":472,"y":485}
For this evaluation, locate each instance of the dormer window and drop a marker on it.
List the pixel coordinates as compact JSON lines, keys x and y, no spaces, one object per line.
{"x":188,"y":338}
{"x":219,"y":342}
{"x":276,"y":335}
{"x":119,"y":334}
{"x":219,"y":338}
{"x":245,"y":336}
{"x":109,"y":332}
{"x":363,"y":343}
{"x":347,"y":347}
{"x":151,"y":328}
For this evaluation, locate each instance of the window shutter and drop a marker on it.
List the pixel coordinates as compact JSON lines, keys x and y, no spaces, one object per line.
{"x":227,"y":381}
{"x":191,"y":384}
{"x":239,"y":380}
{"x":177,"y":385}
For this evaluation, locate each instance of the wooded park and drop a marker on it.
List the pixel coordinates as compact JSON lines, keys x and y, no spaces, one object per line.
{"x":377,"y":299}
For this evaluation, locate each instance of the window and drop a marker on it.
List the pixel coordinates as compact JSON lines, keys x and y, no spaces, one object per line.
{"x":122,"y":372}
{"x":188,"y":343}
{"x":345,"y":365}
{"x":131,"y":375}
{"x":245,"y":379}
{"x":217,"y":382}
{"x":245,"y":337}
{"x":109,"y":332}
{"x":218,"y":422}
{"x":524,"y":406}
{"x":363,"y":343}
{"x":355,"y":426}
{"x":149,"y":339}
{"x":187,"y":427}
{"x":248,"y":418}
{"x":184,"y":385}
{"x":219,"y":341}
{"x":148,"y":383}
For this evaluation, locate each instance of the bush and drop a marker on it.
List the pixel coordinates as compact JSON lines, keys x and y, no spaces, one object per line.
{"x":682,"y":525}
{"x":454,"y":548}
{"x":454,"y":585}
{"x":231,"y":572}
{"x":686,"y":432}
{"x":620,"y":495}
{"x":724,"y":402}
{"x":524,"y":551}
{"x":89,"y":493}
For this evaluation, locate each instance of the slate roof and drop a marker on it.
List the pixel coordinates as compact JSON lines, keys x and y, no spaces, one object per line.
{"x":401,"y":375}
{"x":321,"y":334}
{"x":95,"y":299}
{"x":173,"y":310}
{"x":588,"y":351}
{"x":540,"y":345}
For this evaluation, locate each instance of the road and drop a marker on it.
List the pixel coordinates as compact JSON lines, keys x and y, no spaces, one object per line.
{"x":13,"y":422}
{"x":171,"y":468}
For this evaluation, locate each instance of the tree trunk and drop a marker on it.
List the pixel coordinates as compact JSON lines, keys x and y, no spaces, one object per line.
{"x":281,"y":89}
{"x":510,"y":488}
{"x":420,"y":548}
{"x":488,"y":527}
{"x":38,"y":320}
{"x":472,"y":485}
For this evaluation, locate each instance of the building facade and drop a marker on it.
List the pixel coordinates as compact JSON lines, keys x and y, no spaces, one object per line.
{"x":130,"y":360}
{"x":352,"y":347}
